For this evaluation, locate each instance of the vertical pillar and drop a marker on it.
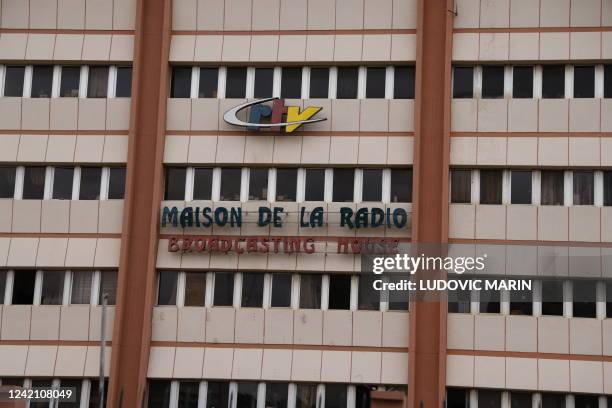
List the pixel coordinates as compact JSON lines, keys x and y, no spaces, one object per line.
{"x":427,"y":361}
{"x":136,"y":280}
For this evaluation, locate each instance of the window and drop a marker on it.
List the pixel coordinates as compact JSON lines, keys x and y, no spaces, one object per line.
{"x":264,"y":78}
{"x":372,"y":185}
{"x":315,"y":185}
{"x":291,"y":83}
{"x":490,"y":186}
{"x":607,"y":190}
{"x":586,"y":401}
{"x":159,"y":393}
{"x":319,"y":82}
{"x":97,"y":82}
{"x":180,"y":84}
{"x":362,"y":396}
{"x":335,"y":396}
{"x":552,"y":298}
{"x":175,"y":183}
{"x":42,"y":81}
{"x":489,"y":399}
{"x":13,"y":81}
{"x":34,"y":183}
{"x":281,"y":290}
{"x":403,"y":83}
{"x":520,"y":400}
{"x":276,"y":395}
{"x":52,"y":288}
{"x":188,"y":394}
{"x":217,"y":394}
{"x":459,"y":301}
{"x":209,"y":80}
{"x":224,"y":289}
{"x":43,"y":383}
{"x":463,"y":82}
{"x":375,"y":82}
{"x":195,"y":288}
{"x":584,"y":81}
{"x":398,"y":299}
{"x":166,"y":293}
{"x":401,"y":186}
{"x":2,"y":286}
{"x":522,"y":82}
{"x":340,"y":292}
{"x":343,"y":185}
{"x":202,"y":188}
{"x":235,"y":84}
{"x":306,"y":395}
{"x":62,"y":183}
{"x":552,"y":187}
{"x":457,"y":398}
{"x":7,"y":182}
{"x":553,"y":81}
{"x":461,"y":186}
{"x":553,"y":400}
{"x":108,"y":287}
{"x":607,"y":81}
{"x":23,"y":287}
{"x":310,"y":291}
{"x":521,"y":187}
{"x":69,"y":383}
{"x":230,"y":184}
{"x":584,"y":298}
{"x":247,"y":395}
{"x":608,"y":297}
{"x":286,"y":184}
{"x":252,"y":289}
{"x":583,"y":187}
{"x":123,"y":88}
{"x":347,"y":83}
{"x":116,"y":183}
{"x":91,"y":178}
{"x":70,"y":80}
{"x":81,"y":288}
{"x":521,"y":302}
{"x":492,"y":82}
{"x":368,"y":298}
{"x":258,"y":184}
{"x":489,"y":301}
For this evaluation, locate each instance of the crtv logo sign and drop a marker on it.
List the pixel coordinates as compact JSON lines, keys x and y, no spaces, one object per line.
{"x":277,"y":117}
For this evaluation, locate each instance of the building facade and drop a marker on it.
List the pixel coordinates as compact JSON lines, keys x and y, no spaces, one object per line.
{"x":230,"y":254}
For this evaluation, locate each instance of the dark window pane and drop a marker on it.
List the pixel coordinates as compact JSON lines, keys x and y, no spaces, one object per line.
{"x":401,"y":186}
{"x":108,"y":287}
{"x":608,"y":297}
{"x":286,"y":184}
{"x":584,"y":188}
{"x":34,"y":183}
{"x":235,"y":84}
{"x":521,"y":302}
{"x":258,"y":184}
{"x":69,"y":84}
{"x":195,"y":288}
{"x":552,"y":187}
{"x":490,"y":186}
{"x":123,"y":88}
{"x":607,"y":81}
{"x":461,"y":186}
{"x":209,"y":79}
{"x":91,"y":178}
{"x":520,"y":400}
{"x":306,"y":396}
{"x":584,"y":82}
{"x":188,"y":394}
{"x":522,"y":82}
{"x":315,"y":185}
{"x":586,"y":401}
{"x":362,"y":396}
{"x":489,"y":399}
{"x":13,"y":81}
{"x":459,"y":301}
{"x":62,"y":183}
{"x":7,"y":182}
{"x":230,"y":184}
{"x":44,"y":383}
{"x":159,"y":394}
{"x":489,"y":301}
{"x":340,"y":292}
{"x":97,"y":82}
{"x":264,"y":77}
{"x":252,"y":289}
{"x":166,"y":294}
{"x":175,"y":183}
{"x":81,"y":288}
{"x":224,"y":289}
{"x":343,"y":185}
{"x":553,"y":81}
{"x":375,"y":82}
{"x":23,"y":287}
{"x":521,"y":187}
{"x":202,"y":188}
{"x":42,"y":81}
{"x":247,"y":395}
{"x":77,"y":385}
{"x":12,"y":381}
{"x":319,"y":82}
{"x":217,"y":394}
{"x":372,"y":185}
{"x":180,"y":84}
{"x":2,"y":286}
{"x":369,"y":298}
{"x":291,"y":83}
{"x":553,"y":400}
{"x":310,"y":291}
{"x":403,"y":83}
{"x":52,"y":288}
{"x":463,"y":82}
{"x":281,"y":290}
{"x":335,"y":396}
{"x":276,"y":395}
{"x":116,"y":183}
{"x":94,"y":393}
{"x":607,"y":191}
{"x":347,"y":83}
{"x":584,"y":298}
{"x":457,"y":398}
{"x":398,"y":299}
{"x":492,"y":82}
{"x":552,"y":298}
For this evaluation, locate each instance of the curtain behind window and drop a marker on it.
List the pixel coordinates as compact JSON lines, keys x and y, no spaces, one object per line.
{"x":97,"y":83}
{"x":583,"y":188}
{"x":81,"y":287}
{"x":490,"y":187}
